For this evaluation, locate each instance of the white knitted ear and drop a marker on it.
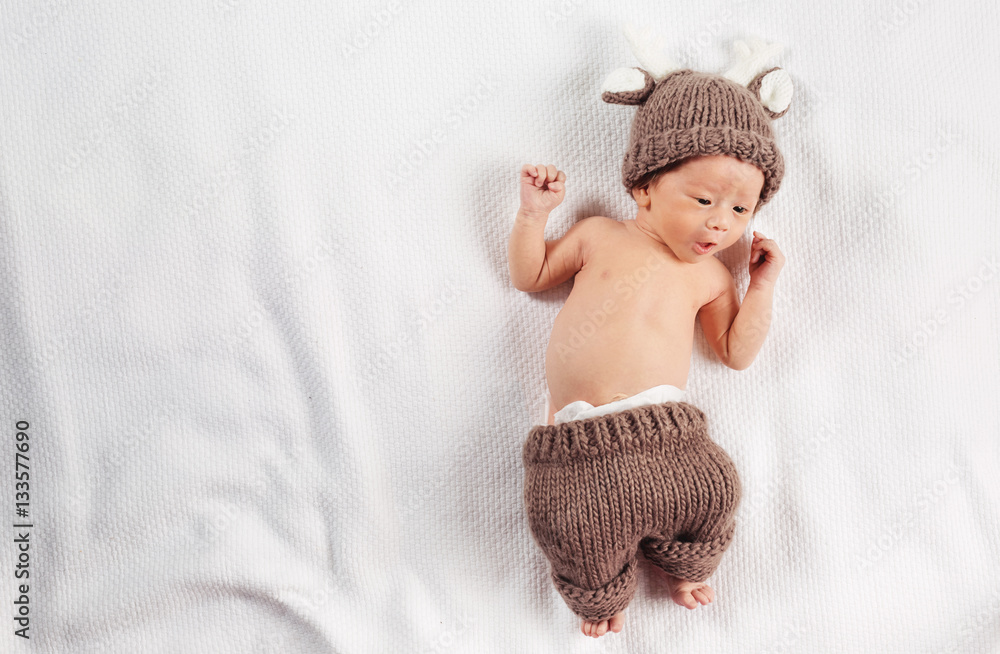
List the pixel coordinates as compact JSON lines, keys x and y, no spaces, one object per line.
{"x":750,"y":58}
{"x":648,"y":49}
{"x":776,"y":90}
{"x":624,"y":79}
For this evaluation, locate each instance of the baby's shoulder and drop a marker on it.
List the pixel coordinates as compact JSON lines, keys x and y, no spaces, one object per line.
{"x":593,"y":231}
{"x":717,"y":279}
{"x":600,"y":222}
{"x":601,"y":226}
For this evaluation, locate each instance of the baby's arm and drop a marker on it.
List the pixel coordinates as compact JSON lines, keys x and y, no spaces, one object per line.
{"x":534,"y":263}
{"x":736,"y":333}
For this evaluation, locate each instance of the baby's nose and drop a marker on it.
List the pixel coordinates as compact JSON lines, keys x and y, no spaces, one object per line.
{"x":719,"y":221}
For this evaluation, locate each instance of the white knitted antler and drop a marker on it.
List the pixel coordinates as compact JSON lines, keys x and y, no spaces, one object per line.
{"x":648,"y":48}
{"x":750,"y":58}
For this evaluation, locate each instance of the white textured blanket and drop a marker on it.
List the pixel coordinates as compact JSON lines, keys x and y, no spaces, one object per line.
{"x":255,"y":313}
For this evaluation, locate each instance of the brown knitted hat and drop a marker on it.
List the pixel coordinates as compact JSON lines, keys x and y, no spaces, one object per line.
{"x":683,"y":113}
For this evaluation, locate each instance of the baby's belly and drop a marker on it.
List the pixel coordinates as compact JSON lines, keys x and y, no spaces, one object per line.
{"x":594,"y":357}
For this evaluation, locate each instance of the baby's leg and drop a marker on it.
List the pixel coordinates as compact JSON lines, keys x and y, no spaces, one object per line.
{"x":690,"y":550}
{"x":572,"y":515}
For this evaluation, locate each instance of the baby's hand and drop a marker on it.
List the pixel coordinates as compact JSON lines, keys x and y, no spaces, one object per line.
{"x":542,"y":188}
{"x":766,"y":261}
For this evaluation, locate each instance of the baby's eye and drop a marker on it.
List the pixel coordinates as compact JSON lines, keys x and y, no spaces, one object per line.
{"x":740,"y":209}
{"x":702,"y":200}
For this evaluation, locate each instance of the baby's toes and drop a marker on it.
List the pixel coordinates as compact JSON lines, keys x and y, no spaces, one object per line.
{"x":701,"y":596}
{"x":683,"y":598}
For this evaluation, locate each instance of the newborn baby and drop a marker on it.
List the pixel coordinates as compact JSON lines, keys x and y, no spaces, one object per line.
{"x":624,"y":463}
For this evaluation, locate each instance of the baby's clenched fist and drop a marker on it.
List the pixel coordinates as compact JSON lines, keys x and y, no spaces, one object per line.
{"x":542,"y":188}
{"x":766,"y":260}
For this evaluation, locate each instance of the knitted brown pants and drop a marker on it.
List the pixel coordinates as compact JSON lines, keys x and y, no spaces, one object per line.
{"x":599,"y":489}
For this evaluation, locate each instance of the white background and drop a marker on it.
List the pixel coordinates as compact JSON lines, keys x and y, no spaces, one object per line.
{"x":255,"y":308}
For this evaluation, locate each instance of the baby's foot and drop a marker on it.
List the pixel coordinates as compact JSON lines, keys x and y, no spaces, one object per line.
{"x":598,"y":629}
{"x":689,"y":593}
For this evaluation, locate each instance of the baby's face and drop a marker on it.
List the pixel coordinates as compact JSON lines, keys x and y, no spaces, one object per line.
{"x":707,"y":199}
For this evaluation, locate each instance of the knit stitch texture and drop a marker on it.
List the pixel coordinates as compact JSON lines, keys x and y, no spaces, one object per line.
{"x":690,"y":113}
{"x":597,"y":490}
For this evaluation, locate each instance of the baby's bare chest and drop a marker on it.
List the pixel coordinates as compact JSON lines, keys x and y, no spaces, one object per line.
{"x":638,"y":284}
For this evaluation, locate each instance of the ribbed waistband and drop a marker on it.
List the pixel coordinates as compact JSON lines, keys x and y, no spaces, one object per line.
{"x":656,"y":426}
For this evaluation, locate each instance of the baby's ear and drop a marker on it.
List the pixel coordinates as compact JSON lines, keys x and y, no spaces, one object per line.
{"x":773,"y":88}
{"x":627,"y":86}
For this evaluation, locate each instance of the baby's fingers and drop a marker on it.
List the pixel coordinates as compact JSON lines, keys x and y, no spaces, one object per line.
{"x":761,"y":242}
{"x":757,"y":247}
{"x":540,"y":175}
{"x":543,"y":174}
{"x":767,"y":249}
{"x":557,"y":179}
{"x":528,"y":173}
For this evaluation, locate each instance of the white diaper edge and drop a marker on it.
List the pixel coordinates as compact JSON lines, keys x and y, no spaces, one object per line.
{"x":580,"y":409}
